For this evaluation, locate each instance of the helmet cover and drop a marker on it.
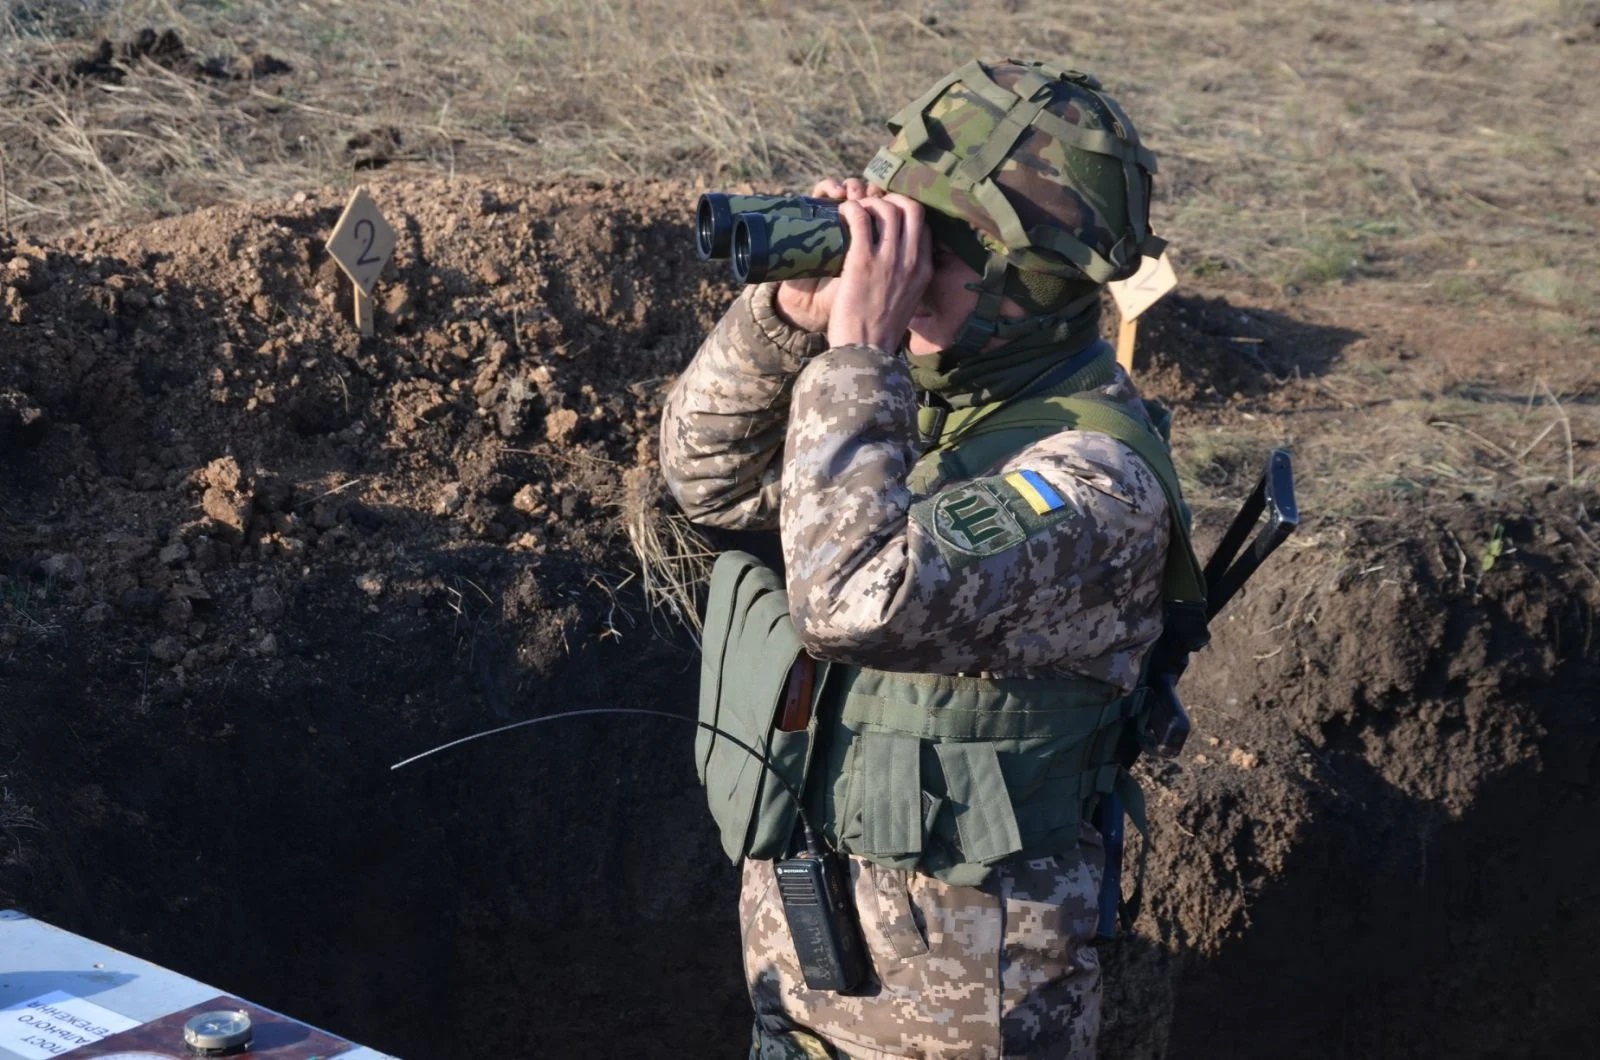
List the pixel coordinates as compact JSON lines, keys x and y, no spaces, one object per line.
{"x":1040,"y":165}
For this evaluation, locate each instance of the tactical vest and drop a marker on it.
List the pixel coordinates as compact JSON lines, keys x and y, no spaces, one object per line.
{"x":944,"y":774}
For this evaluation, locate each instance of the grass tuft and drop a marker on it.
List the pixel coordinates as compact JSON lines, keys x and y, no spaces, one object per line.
{"x":674,"y":559}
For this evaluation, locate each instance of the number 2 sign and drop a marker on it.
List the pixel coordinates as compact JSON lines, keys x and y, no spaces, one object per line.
{"x":361,"y":243}
{"x":1144,"y":288}
{"x":1136,"y":294}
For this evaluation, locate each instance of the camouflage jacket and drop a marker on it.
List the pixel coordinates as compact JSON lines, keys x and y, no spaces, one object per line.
{"x":767,"y":427}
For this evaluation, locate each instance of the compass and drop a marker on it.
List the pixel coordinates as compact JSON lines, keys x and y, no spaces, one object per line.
{"x":224,"y":1032}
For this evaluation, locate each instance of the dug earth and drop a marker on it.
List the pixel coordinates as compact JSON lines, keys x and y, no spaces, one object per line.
{"x":249,"y":560}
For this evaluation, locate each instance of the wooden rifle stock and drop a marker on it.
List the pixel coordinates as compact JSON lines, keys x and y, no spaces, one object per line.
{"x":795,"y":712}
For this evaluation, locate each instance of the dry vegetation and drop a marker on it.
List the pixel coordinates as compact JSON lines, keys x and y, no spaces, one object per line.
{"x":1454,"y":142}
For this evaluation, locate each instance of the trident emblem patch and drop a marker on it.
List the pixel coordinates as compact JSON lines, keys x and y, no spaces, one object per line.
{"x":973,"y":519}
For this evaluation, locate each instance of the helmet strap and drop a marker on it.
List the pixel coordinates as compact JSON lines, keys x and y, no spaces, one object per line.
{"x":983,"y":323}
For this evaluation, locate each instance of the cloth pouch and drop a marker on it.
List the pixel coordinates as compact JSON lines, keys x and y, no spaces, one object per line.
{"x":749,"y":646}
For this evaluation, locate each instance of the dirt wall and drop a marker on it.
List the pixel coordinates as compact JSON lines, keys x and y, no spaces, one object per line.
{"x":249,"y":561}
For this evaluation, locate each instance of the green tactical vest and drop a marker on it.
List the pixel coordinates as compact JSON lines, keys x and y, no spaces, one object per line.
{"x":944,"y":774}
{"x":949,"y":775}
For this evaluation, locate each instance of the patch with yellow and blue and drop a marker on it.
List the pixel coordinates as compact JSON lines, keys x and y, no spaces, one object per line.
{"x":987,"y":516}
{"x":1039,"y":494}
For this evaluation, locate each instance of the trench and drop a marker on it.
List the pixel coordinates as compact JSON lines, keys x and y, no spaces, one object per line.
{"x":559,"y":890}
{"x":1380,"y":842}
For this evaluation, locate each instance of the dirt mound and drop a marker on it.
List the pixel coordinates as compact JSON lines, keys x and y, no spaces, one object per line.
{"x":109,"y":61}
{"x":1385,"y":812}
{"x":248,"y":560}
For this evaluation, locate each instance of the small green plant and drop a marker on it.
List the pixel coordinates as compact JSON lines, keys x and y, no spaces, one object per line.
{"x":1216,"y":460}
{"x":1462,"y":290}
{"x":1493,"y":549}
{"x":1332,"y":257}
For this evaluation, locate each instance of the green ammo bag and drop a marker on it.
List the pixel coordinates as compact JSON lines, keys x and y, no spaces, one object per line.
{"x":749,"y":648}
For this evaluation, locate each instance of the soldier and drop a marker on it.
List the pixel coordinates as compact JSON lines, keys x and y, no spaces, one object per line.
{"x":986,"y":600}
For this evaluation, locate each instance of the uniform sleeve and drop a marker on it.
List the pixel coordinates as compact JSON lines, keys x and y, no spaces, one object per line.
{"x":1052,"y":565}
{"x":722,"y":428}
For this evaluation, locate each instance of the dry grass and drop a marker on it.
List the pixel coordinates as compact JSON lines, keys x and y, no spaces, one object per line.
{"x":15,"y":815}
{"x":1445,"y":450}
{"x":23,"y":607}
{"x":674,"y":560}
{"x":1299,"y":146}
{"x":1485,"y":450}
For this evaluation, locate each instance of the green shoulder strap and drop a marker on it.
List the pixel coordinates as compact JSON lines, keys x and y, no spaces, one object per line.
{"x":993,"y":435}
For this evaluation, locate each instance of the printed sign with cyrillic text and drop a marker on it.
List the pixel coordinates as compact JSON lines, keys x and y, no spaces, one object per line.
{"x":53,"y":1024}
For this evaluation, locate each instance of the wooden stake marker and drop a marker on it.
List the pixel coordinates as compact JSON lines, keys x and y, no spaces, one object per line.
{"x":1136,"y":294}
{"x":362,"y":242}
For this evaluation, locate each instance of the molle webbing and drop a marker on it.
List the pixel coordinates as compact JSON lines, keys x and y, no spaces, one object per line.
{"x":1038,"y":293}
{"x":951,"y":774}
{"x":953,"y":707}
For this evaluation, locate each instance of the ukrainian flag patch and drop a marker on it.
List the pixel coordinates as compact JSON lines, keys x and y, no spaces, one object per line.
{"x":1036,"y":491}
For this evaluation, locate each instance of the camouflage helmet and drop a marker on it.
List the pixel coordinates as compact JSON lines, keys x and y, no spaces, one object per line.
{"x":1030,"y":173}
{"x":1037,"y":180}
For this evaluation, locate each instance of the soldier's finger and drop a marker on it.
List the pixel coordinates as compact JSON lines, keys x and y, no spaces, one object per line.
{"x":859,"y":223}
{"x":889,"y":222}
{"x":911,"y":208}
{"x":923,"y":269}
{"x":917,"y":220}
{"x":912,"y":221}
{"x":856,"y":188}
{"x":828,"y":188}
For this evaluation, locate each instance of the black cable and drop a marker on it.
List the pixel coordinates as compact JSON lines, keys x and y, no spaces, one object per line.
{"x":813,"y":844}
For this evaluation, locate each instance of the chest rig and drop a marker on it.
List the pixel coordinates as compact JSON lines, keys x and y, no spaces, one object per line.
{"x":944,"y":774}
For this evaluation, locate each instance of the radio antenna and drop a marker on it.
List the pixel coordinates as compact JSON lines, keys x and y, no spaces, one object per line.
{"x":813,"y":844}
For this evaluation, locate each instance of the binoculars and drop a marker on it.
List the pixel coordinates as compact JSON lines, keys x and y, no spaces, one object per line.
{"x":771,"y":237}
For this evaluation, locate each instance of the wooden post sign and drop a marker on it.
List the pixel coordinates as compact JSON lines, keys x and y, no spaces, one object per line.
{"x":361,"y":243}
{"x":1136,"y":294}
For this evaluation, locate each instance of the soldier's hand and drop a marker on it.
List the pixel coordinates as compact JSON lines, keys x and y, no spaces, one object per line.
{"x":889,"y":263}
{"x":805,"y":303}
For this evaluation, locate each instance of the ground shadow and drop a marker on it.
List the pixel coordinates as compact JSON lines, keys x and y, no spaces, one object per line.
{"x":568,"y":872}
{"x":1197,"y":347}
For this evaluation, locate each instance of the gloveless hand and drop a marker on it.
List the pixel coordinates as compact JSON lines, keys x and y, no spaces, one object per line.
{"x":806,"y":303}
{"x":886,"y":270}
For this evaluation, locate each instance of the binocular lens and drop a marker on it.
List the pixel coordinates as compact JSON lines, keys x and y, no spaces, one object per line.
{"x":713,"y":226}
{"x":749,"y":248}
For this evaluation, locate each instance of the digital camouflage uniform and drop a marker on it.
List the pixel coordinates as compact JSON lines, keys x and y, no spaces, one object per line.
{"x":767,"y":428}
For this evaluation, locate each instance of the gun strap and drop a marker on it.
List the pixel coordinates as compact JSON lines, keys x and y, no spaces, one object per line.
{"x":1132,"y":796}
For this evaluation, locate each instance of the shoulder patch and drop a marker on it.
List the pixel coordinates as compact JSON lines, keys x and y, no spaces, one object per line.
{"x":974,"y":519}
{"x":1039,"y":494}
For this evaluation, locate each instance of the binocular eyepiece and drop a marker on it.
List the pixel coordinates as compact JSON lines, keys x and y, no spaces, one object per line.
{"x":771,"y":237}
